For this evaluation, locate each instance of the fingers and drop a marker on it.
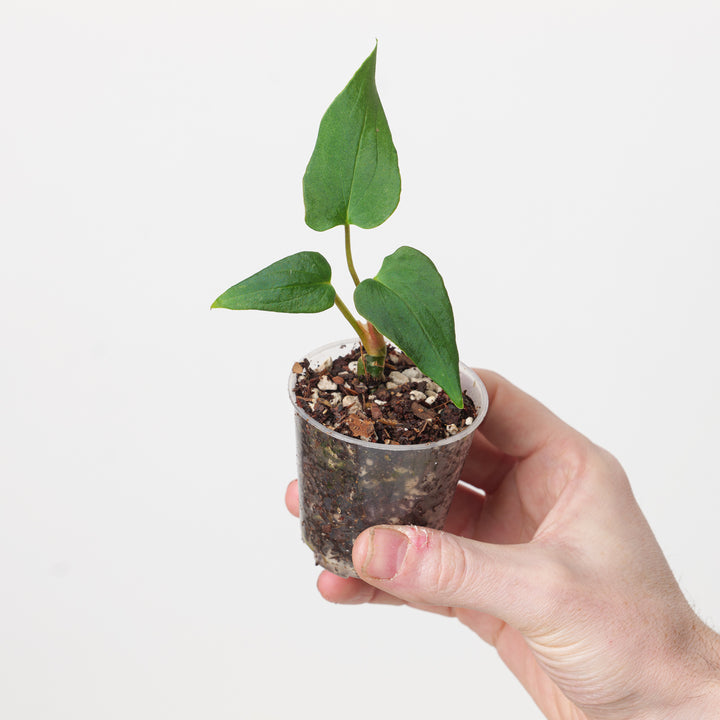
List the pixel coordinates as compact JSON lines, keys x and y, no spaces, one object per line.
{"x":292,"y":501}
{"x":462,"y":520}
{"x":516,"y":424}
{"x":430,"y":567}
{"x":351,"y":591}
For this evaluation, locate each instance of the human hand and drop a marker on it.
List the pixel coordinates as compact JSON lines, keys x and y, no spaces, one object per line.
{"x":547,"y":556}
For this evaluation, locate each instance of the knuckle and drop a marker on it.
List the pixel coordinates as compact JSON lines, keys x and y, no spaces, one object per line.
{"x":450,"y":575}
{"x":574,"y":454}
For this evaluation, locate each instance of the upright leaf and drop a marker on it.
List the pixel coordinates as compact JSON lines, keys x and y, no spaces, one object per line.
{"x":407,"y":302}
{"x":353,"y":177}
{"x":299,"y":283}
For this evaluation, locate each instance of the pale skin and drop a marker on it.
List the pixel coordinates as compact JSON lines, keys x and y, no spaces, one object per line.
{"x":547,"y":556}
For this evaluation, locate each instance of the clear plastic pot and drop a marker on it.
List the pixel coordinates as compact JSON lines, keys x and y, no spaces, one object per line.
{"x":347,"y":484}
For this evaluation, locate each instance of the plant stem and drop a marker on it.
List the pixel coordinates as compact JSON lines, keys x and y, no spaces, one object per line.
{"x":371,"y":339}
{"x":362,"y":332}
{"x":348,"y":256}
{"x":376,"y":352}
{"x":375,"y":366}
{"x":375,"y":344}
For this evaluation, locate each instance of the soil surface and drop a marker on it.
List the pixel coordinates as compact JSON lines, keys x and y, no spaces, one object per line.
{"x":406,"y":408}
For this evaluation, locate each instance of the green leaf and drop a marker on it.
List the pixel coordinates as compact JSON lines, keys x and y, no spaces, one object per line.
{"x":299,"y":283}
{"x":353,"y":176}
{"x":407,"y":302}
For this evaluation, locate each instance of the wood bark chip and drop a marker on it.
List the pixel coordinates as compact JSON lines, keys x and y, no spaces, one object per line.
{"x":422,"y":411}
{"x":361,"y":427}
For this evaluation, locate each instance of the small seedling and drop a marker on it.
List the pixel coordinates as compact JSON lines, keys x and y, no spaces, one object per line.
{"x":353,"y":179}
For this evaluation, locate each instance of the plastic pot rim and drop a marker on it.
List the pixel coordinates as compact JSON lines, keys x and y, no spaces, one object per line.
{"x":477,"y":384}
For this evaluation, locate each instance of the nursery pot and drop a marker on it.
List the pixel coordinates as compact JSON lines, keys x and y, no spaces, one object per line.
{"x":347,"y":485}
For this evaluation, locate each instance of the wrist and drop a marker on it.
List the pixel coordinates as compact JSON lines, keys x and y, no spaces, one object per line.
{"x":702,"y":704}
{"x":697,"y":681}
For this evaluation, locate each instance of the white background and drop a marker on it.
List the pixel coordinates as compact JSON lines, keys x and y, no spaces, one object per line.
{"x":560,"y":165}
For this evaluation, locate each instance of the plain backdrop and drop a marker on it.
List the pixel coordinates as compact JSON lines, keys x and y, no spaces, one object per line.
{"x":560,"y":164}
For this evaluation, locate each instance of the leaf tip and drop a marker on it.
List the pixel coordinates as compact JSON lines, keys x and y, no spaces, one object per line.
{"x":459,"y":405}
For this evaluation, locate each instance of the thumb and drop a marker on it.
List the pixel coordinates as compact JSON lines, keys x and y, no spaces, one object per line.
{"x":430,"y":567}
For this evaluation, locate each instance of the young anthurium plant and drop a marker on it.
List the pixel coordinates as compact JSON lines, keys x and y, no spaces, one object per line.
{"x":352,"y":178}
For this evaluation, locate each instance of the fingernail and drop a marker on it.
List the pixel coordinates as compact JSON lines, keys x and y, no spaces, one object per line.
{"x":384,"y":553}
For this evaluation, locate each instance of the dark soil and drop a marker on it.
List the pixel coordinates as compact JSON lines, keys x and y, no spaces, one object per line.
{"x":401,"y":413}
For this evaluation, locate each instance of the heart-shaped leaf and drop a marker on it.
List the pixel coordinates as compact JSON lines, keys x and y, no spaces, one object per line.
{"x":299,"y":283}
{"x":407,"y":302}
{"x":353,"y":176}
